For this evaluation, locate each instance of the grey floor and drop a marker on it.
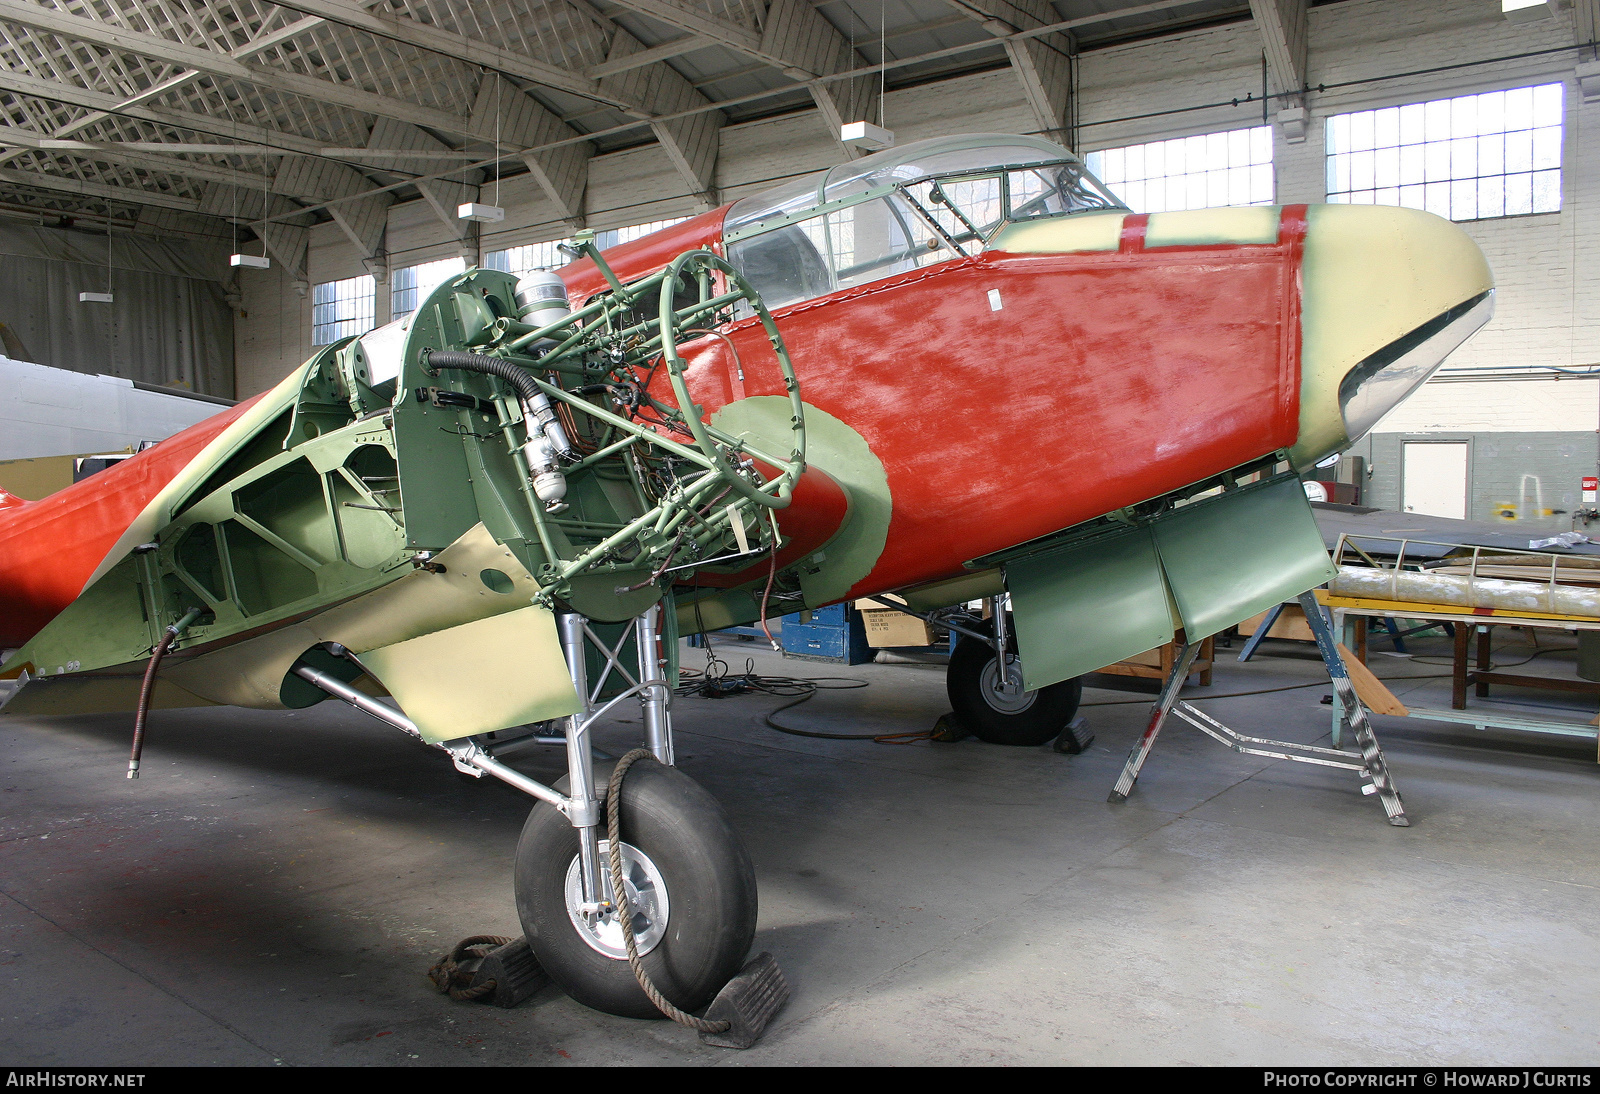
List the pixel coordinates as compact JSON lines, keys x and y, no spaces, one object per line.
{"x":274,"y":887}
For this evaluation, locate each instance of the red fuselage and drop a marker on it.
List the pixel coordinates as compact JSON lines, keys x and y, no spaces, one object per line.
{"x":1100,"y":381}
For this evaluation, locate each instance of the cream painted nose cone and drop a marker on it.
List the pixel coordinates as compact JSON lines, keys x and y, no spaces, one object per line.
{"x":1386,"y":294}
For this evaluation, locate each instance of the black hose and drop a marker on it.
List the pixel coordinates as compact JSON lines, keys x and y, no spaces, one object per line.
{"x":142,"y":711}
{"x":514,"y":375}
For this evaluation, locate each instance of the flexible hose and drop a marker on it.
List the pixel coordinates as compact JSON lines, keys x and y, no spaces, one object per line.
{"x":517,"y":377}
{"x":619,"y":897}
{"x":142,"y":711}
{"x":542,"y":417}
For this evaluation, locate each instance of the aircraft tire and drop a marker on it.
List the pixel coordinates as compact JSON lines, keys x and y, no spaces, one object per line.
{"x":709,"y":881}
{"x":1035,"y":719}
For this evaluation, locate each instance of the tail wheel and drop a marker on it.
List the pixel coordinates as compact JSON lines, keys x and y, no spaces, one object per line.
{"x":689,"y":881}
{"x":990,"y":701}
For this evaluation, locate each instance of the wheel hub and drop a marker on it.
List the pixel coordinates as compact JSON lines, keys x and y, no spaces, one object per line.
{"x":647,"y":896}
{"x":1003,"y":691}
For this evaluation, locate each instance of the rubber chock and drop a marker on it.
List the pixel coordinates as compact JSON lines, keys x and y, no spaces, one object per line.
{"x":515,"y":971}
{"x":1075,"y":738}
{"x":947,"y":728}
{"x":748,"y":1001}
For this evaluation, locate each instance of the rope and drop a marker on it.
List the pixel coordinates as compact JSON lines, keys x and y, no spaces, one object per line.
{"x":451,"y":979}
{"x":619,"y":896}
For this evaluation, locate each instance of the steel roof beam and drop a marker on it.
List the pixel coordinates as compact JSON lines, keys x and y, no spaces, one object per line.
{"x":721,"y":31}
{"x":126,"y":194}
{"x":1042,"y":63}
{"x":1284,"y":41}
{"x":664,"y":52}
{"x":450,"y":44}
{"x":797,"y":40}
{"x":104,"y":35}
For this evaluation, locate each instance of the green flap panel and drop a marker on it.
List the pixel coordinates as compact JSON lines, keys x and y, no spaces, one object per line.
{"x":1087,"y":606}
{"x":1204,"y":566}
{"x":1229,"y":557}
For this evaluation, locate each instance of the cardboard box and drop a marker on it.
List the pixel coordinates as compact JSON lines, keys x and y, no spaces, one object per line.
{"x":887,"y":627}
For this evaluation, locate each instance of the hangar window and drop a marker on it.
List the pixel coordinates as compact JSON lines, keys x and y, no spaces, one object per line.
{"x":1473,"y":157}
{"x":411,"y":285}
{"x":342,"y":308}
{"x":533,"y":256}
{"x":1230,"y":168}
{"x":617,"y":236}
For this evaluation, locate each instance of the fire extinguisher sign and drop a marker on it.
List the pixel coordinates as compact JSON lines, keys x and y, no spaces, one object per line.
{"x":1591,"y":485}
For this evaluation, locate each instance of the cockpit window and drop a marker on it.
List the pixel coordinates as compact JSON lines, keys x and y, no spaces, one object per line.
{"x":1054,"y":190}
{"x":879,"y":238}
{"x":968,"y":209}
{"x":784,"y":266}
{"x":851,"y":246}
{"x":901,"y":209}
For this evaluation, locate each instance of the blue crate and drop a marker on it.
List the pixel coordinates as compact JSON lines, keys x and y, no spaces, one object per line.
{"x":834,"y":633}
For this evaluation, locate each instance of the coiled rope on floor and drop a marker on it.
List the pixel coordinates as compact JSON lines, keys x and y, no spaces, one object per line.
{"x":451,"y":979}
{"x":619,"y":896}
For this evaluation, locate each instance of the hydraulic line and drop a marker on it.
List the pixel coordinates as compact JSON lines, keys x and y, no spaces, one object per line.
{"x":543,"y":414}
{"x":142,"y":711}
{"x":547,"y":439}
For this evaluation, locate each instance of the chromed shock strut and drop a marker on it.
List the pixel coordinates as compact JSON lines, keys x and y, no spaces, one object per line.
{"x":585,"y":803}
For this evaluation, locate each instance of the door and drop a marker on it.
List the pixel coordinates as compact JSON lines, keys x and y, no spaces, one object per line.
{"x":1434,"y":478}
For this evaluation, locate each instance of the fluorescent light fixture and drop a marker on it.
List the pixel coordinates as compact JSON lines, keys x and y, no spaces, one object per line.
{"x":94,"y":298}
{"x":483,"y":214}
{"x":865,"y":135}
{"x":1525,"y":11}
{"x":253,"y":262}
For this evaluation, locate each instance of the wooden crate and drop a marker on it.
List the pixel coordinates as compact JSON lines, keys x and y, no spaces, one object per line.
{"x":1157,"y":664}
{"x":1291,"y":623}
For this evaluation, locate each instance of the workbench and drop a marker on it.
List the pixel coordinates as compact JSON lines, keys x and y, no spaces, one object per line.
{"x":1468,"y":622}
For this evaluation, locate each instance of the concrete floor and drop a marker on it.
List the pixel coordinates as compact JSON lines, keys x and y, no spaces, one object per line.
{"x":274,"y":887}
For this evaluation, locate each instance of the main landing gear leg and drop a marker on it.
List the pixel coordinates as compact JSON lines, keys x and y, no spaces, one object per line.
{"x":689,"y":886}
{"x":687,"y":882}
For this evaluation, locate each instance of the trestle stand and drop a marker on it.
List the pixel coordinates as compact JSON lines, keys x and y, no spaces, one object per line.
{"x":1371,"y":767}
{"x":1158,"y":717}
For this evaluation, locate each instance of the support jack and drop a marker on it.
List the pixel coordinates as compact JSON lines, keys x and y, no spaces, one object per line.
{"x":1371,"y":766}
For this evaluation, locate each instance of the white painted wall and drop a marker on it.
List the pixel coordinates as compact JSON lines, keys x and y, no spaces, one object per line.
{"x":1549,"y":298}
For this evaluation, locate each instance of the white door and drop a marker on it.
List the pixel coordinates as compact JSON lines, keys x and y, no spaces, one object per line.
{"x":1434,"y":478}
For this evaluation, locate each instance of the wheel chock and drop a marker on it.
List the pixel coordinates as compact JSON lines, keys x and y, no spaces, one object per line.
{"x":748,"y":1003}
{"x":948,"y":728}
{"x":1074,"y":738}
{"x":516,"y":974}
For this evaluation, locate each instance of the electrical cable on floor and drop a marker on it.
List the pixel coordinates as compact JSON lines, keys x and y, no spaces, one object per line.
{"x":1493,"y":665}
{"x":1258,"y":691}
{"x":715,"y":683}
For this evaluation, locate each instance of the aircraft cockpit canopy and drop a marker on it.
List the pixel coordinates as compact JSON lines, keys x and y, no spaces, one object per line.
{"x":899,"y":210}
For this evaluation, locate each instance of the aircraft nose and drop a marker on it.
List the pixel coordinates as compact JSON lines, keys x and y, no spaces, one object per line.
{"x":1386,"y":294}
